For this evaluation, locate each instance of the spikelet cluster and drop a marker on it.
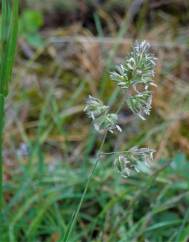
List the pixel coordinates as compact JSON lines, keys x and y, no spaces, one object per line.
{"x":134,"y":76}
{"x":137,"y":70}
{"x":140,"y":103}
{"x":134,"y":161}
{"x":95,"y":108}
{"x":102,"y":119}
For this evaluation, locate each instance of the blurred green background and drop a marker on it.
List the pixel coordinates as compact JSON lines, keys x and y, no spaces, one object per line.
{"x":65,"y":52}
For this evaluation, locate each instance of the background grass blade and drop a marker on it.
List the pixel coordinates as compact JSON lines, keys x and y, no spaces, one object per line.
{"x":8,"y":47}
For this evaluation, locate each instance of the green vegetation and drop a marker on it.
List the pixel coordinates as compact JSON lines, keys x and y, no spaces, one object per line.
{"x":30,"y":23}
{"x":50,"y":147}
{"x":8,"y":45}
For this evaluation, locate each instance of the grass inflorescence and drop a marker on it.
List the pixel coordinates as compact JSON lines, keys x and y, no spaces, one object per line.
{"x":138,"y":68}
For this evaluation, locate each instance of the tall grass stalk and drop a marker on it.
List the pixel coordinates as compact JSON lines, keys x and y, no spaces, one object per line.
{"x":76,"y":213}
{"x":135,"y":73}
{"x":9,"y":29}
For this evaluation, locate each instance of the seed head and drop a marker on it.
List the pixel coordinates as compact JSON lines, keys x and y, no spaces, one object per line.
{"x":135,"y":160}
{"x":140,"y":103}
{"x":138,"y":67}
{"x":102,"y":119}
{"x":107,"y":122}
{"x":94,"y":107}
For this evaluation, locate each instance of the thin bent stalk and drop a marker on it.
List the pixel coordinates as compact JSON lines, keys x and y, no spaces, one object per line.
{"x":75,"y":216}
{"x":7,"y":51}
{"x":1,"y":147}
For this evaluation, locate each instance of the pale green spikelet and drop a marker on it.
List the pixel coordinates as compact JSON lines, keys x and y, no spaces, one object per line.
{"x":107,"y":122}
{"x":138,"y":67}
{"x":94,"y":107}
{"x":102,"y":119}
{"x":140,"y":103}
{"x":136,"y":74}
{"x":135,"y":160}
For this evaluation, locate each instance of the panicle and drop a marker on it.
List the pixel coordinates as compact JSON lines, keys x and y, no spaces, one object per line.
{"x":135,"y":160}
{"x":102,"y":119}
{"x":137,"y":70}
{"x":138,"y":67}
{"x":134,"y":76}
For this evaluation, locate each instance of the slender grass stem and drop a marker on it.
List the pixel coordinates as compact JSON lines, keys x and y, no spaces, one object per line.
{"x":76,"y":213}
{"x":1,"y":148}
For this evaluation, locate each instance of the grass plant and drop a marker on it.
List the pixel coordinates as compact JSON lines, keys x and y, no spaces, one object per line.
{"x":138,"y":69}
{"x":50,"y":146}
{"x":9,"y":30}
